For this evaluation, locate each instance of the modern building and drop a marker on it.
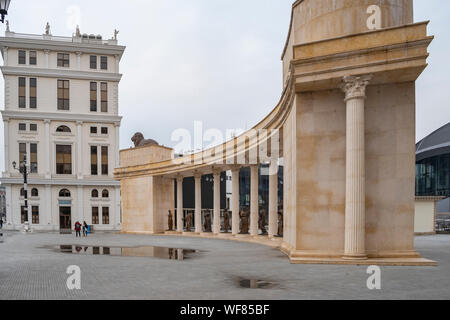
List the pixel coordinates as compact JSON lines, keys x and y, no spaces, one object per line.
{"x":433,"y":172}
{"x":61,"y":110}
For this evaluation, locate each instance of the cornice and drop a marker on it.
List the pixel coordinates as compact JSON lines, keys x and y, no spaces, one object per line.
{"x":60,"y":73}
{"x":54,"y":45}
{"x":30,"y":115}
{"x":65,"y":182}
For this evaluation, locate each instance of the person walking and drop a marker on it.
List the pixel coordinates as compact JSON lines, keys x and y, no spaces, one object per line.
{"x":85,"y":229}
{"x":77,"y":229}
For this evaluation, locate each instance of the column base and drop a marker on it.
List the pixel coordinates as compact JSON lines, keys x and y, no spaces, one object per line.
{"x":355,"y":257}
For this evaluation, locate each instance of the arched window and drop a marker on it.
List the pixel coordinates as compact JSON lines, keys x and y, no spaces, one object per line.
{"x":64,"y":193}
{"x":34,"y":192}
{"x":22,"y":192}
{"x":105,"y":194}
{"x":94,"y":193}
{"x":63,"y":129}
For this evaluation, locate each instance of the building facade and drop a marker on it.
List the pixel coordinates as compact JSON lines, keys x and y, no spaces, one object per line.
{"x":433,"y":173}
{"x":61,"y":110}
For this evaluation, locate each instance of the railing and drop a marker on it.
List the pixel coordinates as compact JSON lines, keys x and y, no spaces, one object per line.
{"x":72,"y":39}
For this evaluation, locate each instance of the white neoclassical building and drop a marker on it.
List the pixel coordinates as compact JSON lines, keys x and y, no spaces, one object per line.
{"x":61,"y":109}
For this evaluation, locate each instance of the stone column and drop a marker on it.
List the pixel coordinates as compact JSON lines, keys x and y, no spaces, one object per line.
{"x":80,"y":150}
{"x":235,"y":201}
{"x":6,"y":139}
{"x":273,"y":199}
{"x":355,"y":210}
{"x":48,"y":207}
{"x":78,"y":60}
{"x":80,"y":204}
{"x":117,"y":127}
{"x":198,"y":203}
{"x":5,"y":56}
{"x":254,"y":196}
{"x":47,"y":149}
{"x":8,"y":207}
{"x":47,"y":52}
{"x":118,"y":208}
{"x":180,"y":204}
{"x":216,"y":223}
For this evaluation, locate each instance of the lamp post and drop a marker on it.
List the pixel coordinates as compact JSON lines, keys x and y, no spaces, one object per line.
{"x":24,"y":171}
{"x":4,"y":6}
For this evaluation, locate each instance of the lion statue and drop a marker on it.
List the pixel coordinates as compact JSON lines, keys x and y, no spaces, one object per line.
{"x":139,"y":141}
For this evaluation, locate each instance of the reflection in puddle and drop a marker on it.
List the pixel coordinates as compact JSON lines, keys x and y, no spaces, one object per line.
{"x":255,"y":284}
{"x":146,"y":251}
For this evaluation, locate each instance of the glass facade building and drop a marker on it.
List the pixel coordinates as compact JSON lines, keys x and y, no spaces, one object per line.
{"x":433,"y":164}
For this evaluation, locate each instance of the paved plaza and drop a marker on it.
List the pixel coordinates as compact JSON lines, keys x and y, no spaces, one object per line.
{"x":29,"y":270}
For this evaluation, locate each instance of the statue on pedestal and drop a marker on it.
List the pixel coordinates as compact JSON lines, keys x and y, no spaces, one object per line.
{"x":139,"y":141}
{"x":226,"y":221}
{"x":188,"y":221}
{"x":170,"y":221}
{"x":207,"y":222}
{"x":47,"y":29}
{"x":262,"y":220}
{"x":244,"y":220}
{"x":280,"y":221}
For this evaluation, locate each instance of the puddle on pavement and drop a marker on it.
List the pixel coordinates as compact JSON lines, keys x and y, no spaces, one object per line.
{"x":255,"y":283}
{"x":144,"y":251}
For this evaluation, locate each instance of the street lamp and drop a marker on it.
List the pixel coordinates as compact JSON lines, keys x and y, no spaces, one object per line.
{"x":24,"y":171}
{"x":4,"y":6}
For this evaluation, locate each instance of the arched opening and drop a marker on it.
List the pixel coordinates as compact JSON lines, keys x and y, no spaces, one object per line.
{"x":105,"y":194}
{"x":65,"y":129}
{"x":64,"y":193}
{"x":94,"y":193}
{"x":34,"y":192}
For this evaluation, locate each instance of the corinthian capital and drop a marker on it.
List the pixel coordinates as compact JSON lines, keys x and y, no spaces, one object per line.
{"x":355,"y":86}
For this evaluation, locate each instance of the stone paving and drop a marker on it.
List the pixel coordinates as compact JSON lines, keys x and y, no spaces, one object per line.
{"x":29,"y":271}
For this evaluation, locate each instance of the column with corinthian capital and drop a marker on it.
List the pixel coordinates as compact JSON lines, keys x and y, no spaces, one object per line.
{"x":355,"y":204}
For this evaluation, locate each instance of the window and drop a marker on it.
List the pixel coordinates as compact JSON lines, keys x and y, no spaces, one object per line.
{"x":34,"y":192}
{"x":63,"y":159}
{"x":63,"y":60}
{"x":104,"y":160}
{"x":104,"y":96}
{"x":33,"y":127}
{"x":93,"y":96}
{"x":35,"y":215}
{"x":105,"y":194}
{"x":93,"y":62}
{"x":94,"y":161}
{"x":63,"y":94}
{"x":104,"y":130}
{"x":23,"y":214}
{"x":22,"y":94}
{"x":33,"y":93}
{"x":64,"y":193}
{"x":22,"y":152}
{"x":105,"y":215}
{"x":94,"y":193}
{"x":22,"y":192}
{"x":63,"y":129}
{"x":93,"y":130}
{"x":95,"y":215}
{"x":104,"y":63}
{"x":22,"y":126}
{"x":33,"y":58}
{"x":33,"y":158}
{"x":22,"y":57}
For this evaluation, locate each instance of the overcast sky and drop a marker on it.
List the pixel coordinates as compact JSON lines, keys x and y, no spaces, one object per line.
{"x":217,"y":61}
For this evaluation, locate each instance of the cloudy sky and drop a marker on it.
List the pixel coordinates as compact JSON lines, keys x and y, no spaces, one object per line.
{"x":217,"y":61}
